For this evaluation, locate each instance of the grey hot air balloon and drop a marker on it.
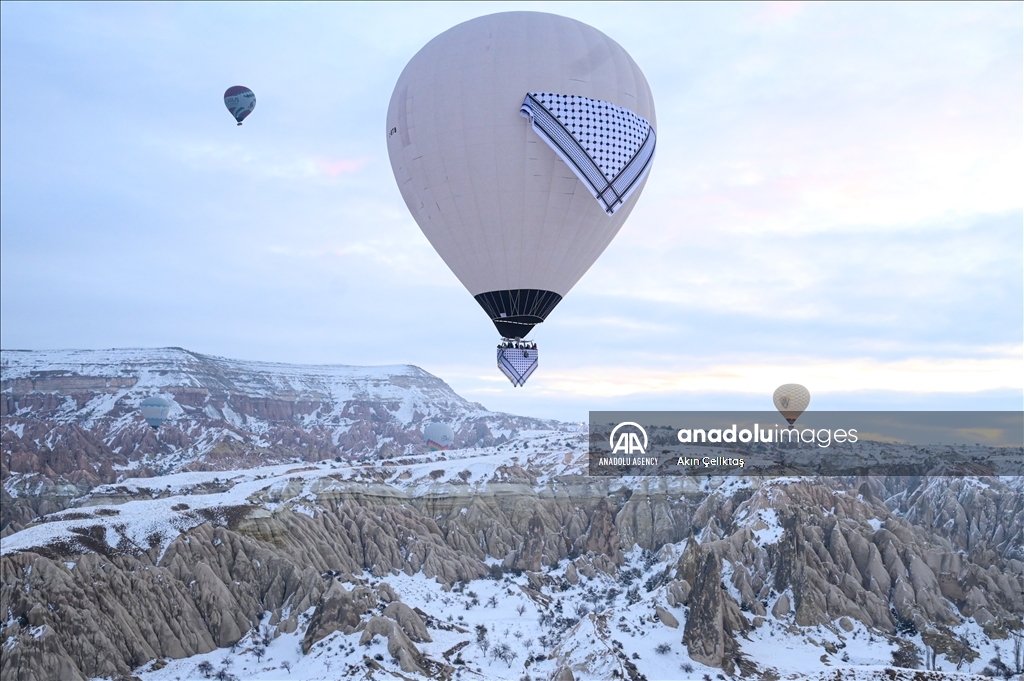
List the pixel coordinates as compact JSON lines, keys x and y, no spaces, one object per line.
{"x":791,"y":400}
{"x":155,"y":411}
{"x":520,"y":142}
{"x":240,"y":102}
{"x":438,"y":436}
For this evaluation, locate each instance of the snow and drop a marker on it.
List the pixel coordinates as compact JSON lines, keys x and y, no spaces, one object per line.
{"x":120,"y":379}
{"x":407,"y":389}
{"x":136,"y":519}
{"x":766,"y":526}
{"x":612,"y":632}
{"x":18,"y":429}
{"x":139,"y":514}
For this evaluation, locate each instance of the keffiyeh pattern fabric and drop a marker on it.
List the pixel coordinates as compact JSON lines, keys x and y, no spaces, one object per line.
{"x":517,"y":363}
{"x":609,"y":147}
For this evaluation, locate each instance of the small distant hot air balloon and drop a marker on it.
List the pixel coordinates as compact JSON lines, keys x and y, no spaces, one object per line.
{"x":791,"y":400}
{"x":240,"y":101}
{"x":155,"y":411}
{"x":521,"y":142}
{"x":438,"y":436}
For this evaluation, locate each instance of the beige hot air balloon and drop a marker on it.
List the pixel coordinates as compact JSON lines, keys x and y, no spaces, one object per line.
{"x":791,"y":400}
{"x":521,"y":142}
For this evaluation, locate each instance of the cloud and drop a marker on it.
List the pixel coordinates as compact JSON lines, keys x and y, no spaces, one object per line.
{"x":770,"y":13}
{"x":257,"y":160}
{"x":341,"y":166}
{"x":848,"y":282}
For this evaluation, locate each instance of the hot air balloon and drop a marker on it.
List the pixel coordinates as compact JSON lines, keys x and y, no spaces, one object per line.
{"x":240,"y":101}
{"x":438,"y":436}
{"x":791,"y":400}
{"x":155,"y":411}
{"x":520,"y":142}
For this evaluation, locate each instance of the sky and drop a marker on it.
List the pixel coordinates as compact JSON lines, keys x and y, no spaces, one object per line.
{"x":836,"y":201}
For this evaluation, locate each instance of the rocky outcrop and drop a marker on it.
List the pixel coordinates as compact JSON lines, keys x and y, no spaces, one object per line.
{"x":564,"y":674}
{"x":602,"y":535}
{"x":531,"y":554}
{"x":114,"y":612}
{"x":571,"y":574}
{"x":974,"y":516}
{"x":213,"y":583}
{"x":401,"y":649}
{"x":410,"y":623}
{"x":385,"y":593}
{"x":678,"y":593}
{"x":652,"y":517}
{"x":849,"y":555}
{"x":46,"y":659}
{"x":782,"y":607}
{"x":186,"y":605}
{"x":666,"y":618}
{"x":707,"y":635}
{"x":338,"y":610}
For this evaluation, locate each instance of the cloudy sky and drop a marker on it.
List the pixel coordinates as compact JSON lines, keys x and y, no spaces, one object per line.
{"x":836,"y":201}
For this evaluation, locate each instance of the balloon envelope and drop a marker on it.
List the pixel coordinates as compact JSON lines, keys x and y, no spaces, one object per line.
{"x":488,"y":136}
{"x":438,"y":436}
{"x":155,"y":411}
{"x":240,"y":101}
{"x":791,"y":400}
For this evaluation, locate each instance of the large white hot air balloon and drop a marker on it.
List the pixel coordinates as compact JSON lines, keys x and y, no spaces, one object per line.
{"x":155,"y":411}
{"x":521,"y":142}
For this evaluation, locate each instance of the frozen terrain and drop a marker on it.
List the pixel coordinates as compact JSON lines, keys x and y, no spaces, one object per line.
{"x":288,"y":523}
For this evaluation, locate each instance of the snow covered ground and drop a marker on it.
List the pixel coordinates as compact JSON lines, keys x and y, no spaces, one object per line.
{"x":499,"y":615}
{"x":513,"y":627}
{"x":134,"y":509}
{"x":514,"y":630}
{"x":257,"y":406}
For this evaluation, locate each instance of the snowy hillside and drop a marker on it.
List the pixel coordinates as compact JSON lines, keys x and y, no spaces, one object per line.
{"x":102,"y":389}
{"x":130,"y":372}
{"x":71,"y":419}
{"x":288,"y":523}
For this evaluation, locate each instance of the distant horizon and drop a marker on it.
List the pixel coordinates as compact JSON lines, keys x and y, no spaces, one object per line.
{"x":578,"y":411}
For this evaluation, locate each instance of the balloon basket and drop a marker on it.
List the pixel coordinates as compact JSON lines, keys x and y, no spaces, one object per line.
{"x":517,"y":359}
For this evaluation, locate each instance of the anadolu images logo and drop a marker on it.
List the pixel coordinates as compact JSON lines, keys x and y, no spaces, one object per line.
{"x":628,"y":442}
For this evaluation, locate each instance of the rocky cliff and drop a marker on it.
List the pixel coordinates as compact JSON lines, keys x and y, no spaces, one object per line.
{"x":71,"y":419}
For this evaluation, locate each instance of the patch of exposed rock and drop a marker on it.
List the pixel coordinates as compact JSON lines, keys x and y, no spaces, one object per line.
{"x":338,"y":610}
{"x":713,"y":618}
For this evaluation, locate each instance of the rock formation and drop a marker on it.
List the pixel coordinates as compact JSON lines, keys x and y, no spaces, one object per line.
{"x":305,"y":554}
